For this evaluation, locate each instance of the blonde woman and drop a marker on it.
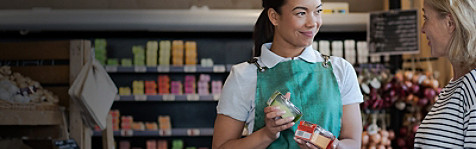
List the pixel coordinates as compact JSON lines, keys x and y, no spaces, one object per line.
{"x":450,"y":27}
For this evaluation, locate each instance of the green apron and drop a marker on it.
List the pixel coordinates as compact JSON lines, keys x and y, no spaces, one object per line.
{"x":314,"y":90}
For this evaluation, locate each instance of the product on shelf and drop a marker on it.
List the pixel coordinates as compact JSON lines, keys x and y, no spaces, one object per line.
{"x":350,"y":51}
{"x":216,"y":87}
{"x":150,"y":88}
{"x":206,"y":62}
{"x":189,"y":86}
{"x":151,"y":144}
{"x":203,"y":84}
{"x":126,"y":122}
{"x":324,"y":47}
{"x":177,"y":144}
{"x":315,"y":45}
{"x":162,"y":144}
{"x":176,"y":87}
{"x":177,"y":53}
{"x":164,"y":122}
{"x":100,"y":50}
{"x":152,"y":47}
{"x":115,"y":114}
{"x":138,"y":87}
{"x":363,"y":52}
{"x":315,"y":134}
{"x":151,"y":126}
{"x":127,"y":62}
{"x":138,"y":126}
{"x":163,"y":82}
{"x":337,"y":48}
{"x":164,"y":53}
{"x":112,"y":62}
{"x":124,"y":144}
{"x":190,"y":53}
{"x":124,"y":91}
{"x":16,"y":88}
{"x":139,"y":55}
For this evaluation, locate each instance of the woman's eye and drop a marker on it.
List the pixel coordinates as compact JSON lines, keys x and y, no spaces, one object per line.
{"x":301,"y":13}
{"x":319,"y":11}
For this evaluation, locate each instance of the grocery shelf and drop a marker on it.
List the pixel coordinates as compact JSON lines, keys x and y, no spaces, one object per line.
{"x":175,"y":132}
{"x":168,"y":69}
{"x":183,"y":20}
{"x":169,"y":97}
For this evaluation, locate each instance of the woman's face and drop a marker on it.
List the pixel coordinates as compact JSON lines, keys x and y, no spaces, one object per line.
{"x":438,"y":31}
{"x":298,"y":22}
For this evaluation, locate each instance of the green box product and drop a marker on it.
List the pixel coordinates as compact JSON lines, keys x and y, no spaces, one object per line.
{"x":100,"y":43}
{"x":177,"y":144}
{"x":126,"y":62}
{"x":113,"y":62}
{"x":278,"y":99}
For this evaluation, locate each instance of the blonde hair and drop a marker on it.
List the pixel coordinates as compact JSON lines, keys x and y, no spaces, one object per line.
{"x":463,"y":41}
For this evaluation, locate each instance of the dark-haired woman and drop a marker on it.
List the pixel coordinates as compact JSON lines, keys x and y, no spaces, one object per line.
{"x":324,"y":88}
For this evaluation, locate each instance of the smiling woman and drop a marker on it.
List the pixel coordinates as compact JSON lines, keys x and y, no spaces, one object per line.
{"x":450,"y":29}
{"x":324,"y":88}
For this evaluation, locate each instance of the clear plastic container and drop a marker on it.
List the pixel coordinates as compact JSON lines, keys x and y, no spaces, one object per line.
{"x":278,"y":99}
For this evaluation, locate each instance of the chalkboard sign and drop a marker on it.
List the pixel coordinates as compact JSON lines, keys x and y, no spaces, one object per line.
{"x":393,"y":32}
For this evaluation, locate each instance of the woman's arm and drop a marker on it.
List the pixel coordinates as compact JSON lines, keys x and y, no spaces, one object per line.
{"x":227,"y":131}
{"x":351,"y":132}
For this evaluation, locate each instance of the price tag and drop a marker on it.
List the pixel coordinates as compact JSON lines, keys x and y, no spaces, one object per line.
{"x":111,"y":68}
{"x":219,"y":68}
{"x":190,"y":68}
{"x":140,"y":69}
{"x":165,"y":132}
{"x":168,"y":97}
{"x":127,"y":132}
{"x":193,"y":132}
{"x":163,"y":69}
{"x":140,"y":97}
{"x":193,"y":97}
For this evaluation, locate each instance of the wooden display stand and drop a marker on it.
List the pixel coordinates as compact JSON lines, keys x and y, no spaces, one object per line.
{"x":51,"y":123}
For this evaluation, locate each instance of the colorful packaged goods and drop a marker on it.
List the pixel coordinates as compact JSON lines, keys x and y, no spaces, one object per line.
{"x":139,"y":55}
{"x":315,"y":135}
{"x":203,"y":84}
{"x":216,"y":87}
{"x":190,"y":53}
{"x":152,"y":47}
{"x":138,"y":87}
{"x":177,"y":53}
{"x":126,"y":62}
{"x":150,"y":88}
{"x":163,"y":82}
{"x":176,"y":87}
{"x":164,"y":53}
{"x":190,"y":85}
{"x":124,"y":91}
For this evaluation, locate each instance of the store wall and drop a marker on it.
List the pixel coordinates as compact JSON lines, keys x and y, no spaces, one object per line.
{"x":355,"y":6}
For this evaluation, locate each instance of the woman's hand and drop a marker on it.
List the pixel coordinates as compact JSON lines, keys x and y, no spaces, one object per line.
{"x":306,"y":145}
{"x":275,"y":124}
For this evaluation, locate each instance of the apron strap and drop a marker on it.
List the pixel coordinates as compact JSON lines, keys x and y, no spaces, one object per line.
{"x":326,"y":60}
{"x":255,"y":61}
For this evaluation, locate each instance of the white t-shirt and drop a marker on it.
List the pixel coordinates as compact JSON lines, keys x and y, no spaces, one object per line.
{"x":238,"y":95}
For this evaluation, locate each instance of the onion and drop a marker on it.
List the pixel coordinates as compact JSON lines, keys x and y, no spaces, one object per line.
{"x":401,"y":142}
{"x":381,"y":146}
{"x":423,"y":101}
{"x":403,"y":131}
{"x":435,"y":83}
{"x":375,"y":138}
{"x":365,"y":138}
{"x":391,"y":134}
{"x":384,"y":133}
{"x":400,"y":105}
{"x":415,"y":88}
{"x":408,"y":75}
